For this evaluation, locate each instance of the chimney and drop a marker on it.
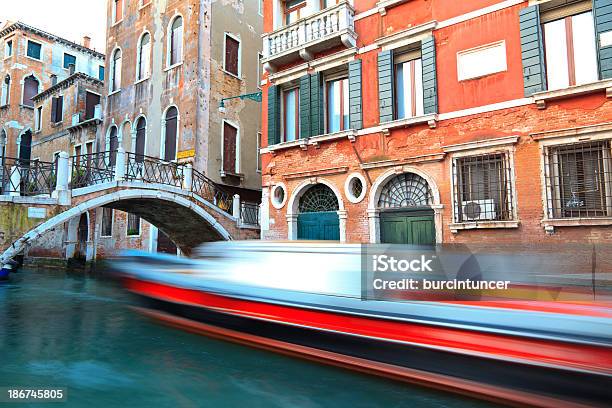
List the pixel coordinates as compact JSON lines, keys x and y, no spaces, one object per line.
{"x":71,"y":68}
{"x":86,"y":41}
{"x":53,"y":79}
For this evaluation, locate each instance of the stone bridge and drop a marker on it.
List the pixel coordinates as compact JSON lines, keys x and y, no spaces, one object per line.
{"x":182,"y":202}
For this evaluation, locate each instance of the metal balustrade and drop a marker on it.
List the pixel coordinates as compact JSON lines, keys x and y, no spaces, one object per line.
{"x":210,"y":191}
{"x":93,"y":168}
{"x":27,"y":177}
{"x":249,"y":213}
{"x":154,"y":170}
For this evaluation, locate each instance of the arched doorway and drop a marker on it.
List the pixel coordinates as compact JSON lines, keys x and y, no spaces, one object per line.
{"x":406,"y":213}
{"x":82,"y":237}
{"x":318,"y":214}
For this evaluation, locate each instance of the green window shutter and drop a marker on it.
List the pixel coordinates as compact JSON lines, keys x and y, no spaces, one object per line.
{"x":385,"y":86}
{"x":532,"y":51}
{"x":430,"y":82}
{"x":304,"y":106}
{"x":316,"y":104}
{"x":602,"y":13}
{"x":273,"y":115}
{"x":354,"y":83}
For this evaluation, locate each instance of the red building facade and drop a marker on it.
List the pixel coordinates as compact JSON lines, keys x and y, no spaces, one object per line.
{"x":423,"y":121}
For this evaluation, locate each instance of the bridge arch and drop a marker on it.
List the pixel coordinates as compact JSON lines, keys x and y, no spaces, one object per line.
{"x":184,"y":220}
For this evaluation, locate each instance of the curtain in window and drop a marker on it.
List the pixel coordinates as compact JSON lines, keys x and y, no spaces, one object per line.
{"x":337,"y":106}
{"x":409,"y":89}
{"x":290,"y":114}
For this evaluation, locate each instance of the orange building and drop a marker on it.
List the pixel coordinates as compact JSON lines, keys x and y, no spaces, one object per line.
{"x":437,"y":121}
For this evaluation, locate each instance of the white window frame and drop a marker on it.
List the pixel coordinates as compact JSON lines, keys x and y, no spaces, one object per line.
{"x":237,"y":127}
{"x":6,"y":48}
{"x":225,"y":35}
{"x":290,"y":87}
{"x":113,"y":12}
{"x":102,"y":223}
{"x":5,"y":89}
{"x":259,"y":70}
{"x":502,"y":65}
{"x":127,"y":224}
{"x":336,"y":76}
{"x":260,"y":7}
{"x":41,"y":50}
{"x":62,"y":114}
{"x":138,"y":57}
{"x":38,"y":118}
{"x":169,"y":42}
{"x":111,"y":74}
{"x":64,"y":59}
{"x":162,"y":147}
{"x":258,"y":139}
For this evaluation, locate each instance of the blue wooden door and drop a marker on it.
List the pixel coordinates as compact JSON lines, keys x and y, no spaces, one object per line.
{"x":319,"y":226}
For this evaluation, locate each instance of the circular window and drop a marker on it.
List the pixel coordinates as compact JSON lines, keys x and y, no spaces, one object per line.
{"x":279,"y":196}
{"x":355,"y":188}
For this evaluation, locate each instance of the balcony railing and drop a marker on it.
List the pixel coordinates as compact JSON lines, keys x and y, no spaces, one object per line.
{"x":320,"y":31}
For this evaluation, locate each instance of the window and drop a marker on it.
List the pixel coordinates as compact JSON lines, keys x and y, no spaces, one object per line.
{"x":480,"y":61}
{"x":258,"y":151}
{"x":117,"y":11}
{"x":107,"y":222}
{"x":77,"y":150}
{"x":259,"y":58}
{"x":30,"y":89}
{"x":38,"y":120}
{"x":260,"y":7}
{"x":69,"y":60}
{"x":34,"y":49}
{"x":6,"y":91}
{"x":8,"y":48}
{"x":171,"y":134}
{"x":292,"y":10}
{"x":57,"y":109}
{"x":482,"y":188}
{"x":570,"y":51}
{"x":115,"y":79}
{"x":175,"y":47}
{"x":408,"y":85}
{"x":141,"y":130}
{"x":231,"y":62}
{"x":91,"y":100}
{"x":144,"y":2}
{"x":101,"y":72}
{"x":328,"y":3}
{"x":133,"y":225}
{"x":290,"y":114}
{"x":337,"y":105}
{"x":144,"y":57}
{"x":578,"y":178}
{"x":113,"y":145}
{"x":230,"y":136}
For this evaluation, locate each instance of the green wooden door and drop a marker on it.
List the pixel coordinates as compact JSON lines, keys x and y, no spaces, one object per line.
{"x":319,"y":226}
{"x":416,"y":228}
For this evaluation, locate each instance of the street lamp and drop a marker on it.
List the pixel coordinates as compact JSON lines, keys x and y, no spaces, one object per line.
{"x":255,"y":96}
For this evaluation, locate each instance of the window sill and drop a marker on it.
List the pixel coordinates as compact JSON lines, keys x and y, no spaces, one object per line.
{"x":114,"y":92}
{"x":228,"y":174}
{"x":285,"y":145}
{"x":116,"y":23}
{"x":138,"y":81}
{"x":383,"y":5}
{"x":33,"y":59}
{"x":456,"y":227}
{"x":231,"y":74}
{"x":315,"y":140}
{"x":144,"y":6}
{"x":26,"y":106}
{"x":550,"y":224}
{"x":56,"y":124}
{"x":431,"y":119}
{"x":541,"y":98}
{"x":171,"y":67}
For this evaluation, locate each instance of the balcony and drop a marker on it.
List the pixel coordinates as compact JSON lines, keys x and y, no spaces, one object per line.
{"x":321,"y":31}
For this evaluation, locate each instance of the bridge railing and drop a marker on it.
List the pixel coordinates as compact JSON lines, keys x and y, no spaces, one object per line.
{"x":92,"y":168}
{"x":154,"y":170}
{"x":27,"y":177}
{"x":210,"y":191}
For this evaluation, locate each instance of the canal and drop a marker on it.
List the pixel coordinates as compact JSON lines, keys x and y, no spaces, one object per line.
{"x":65,"y":330}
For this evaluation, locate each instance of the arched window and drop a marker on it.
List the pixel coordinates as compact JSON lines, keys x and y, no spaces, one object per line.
{"x":141,"y":129}
{"x":171,"y":134}
{"x":405,"y":190}
{"x":175,"y":46}
{"x":113,"y":145}
{"x":30,"y":89}
{"x":25,"y":146}
{"x":6,"y":90}
{"x":144,"y":57}
{"x":318,"y":198}
{"x":115,"y":74}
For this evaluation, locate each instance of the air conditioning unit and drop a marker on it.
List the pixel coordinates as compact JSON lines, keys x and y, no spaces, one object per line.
{"x":478,"y":210}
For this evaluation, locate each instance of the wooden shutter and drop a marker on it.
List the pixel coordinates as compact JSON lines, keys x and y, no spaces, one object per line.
{"x":304,"y":106}
{"x":30,"y":89}
{"x":113,"y":145}
{"x":91,"y":100}
{"x":430,"y":82}
{"x":54,"y":110}
{"x":59,"y":109}
{"x":532,"y":50}
{"x":231,"y":55}
{"x":141,"y":128}
{"x":354,"y":84}
{"x":171,"y":129}
{"x":316,"y":104}
{"x":385,"y":86}
{"x":273,"y":115}
{"x":602,"y":13}
{"x":229,"y":148}
{"x":176,"y":42}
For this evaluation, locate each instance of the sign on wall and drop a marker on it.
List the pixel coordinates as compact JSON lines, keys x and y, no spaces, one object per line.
{"x":185,"y":154}
{"x":37,"y":212}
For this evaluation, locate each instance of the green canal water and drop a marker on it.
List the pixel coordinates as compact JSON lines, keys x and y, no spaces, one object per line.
{"x":65,"y":330}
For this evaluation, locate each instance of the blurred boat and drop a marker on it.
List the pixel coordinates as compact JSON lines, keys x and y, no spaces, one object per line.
{"x":304,"y":299}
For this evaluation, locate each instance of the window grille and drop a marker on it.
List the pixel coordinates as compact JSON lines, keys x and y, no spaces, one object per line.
{"x":318,"y":198}
{"x":578,"y":178}
{"x":482,"y":188}
{"x":405,"y":190}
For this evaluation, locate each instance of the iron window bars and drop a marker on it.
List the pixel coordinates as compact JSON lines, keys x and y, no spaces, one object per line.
{"x":483,"y":190}
{"x":249,"y":213}
{"x":578,"y":180}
